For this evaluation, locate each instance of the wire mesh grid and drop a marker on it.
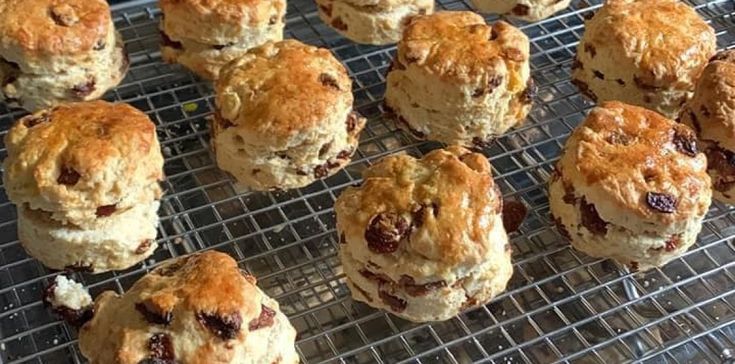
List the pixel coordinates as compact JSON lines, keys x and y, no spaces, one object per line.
{"x":560,"y":306}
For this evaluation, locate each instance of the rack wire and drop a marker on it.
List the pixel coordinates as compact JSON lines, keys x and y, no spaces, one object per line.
{"x":560,"y":306}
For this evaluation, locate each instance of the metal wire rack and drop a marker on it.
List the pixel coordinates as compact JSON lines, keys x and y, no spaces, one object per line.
{"x":560,"y":306}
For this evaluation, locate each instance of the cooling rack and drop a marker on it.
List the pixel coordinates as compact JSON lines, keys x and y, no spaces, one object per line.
{"x":560,"y":306}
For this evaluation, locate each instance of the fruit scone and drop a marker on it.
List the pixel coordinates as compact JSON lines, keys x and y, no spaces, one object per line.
{"x":198,"y":308}
{"x":424,"y":238}
{"x":457,"y":80}
{"x":648,"y":53}
{"x":85,"y":179}
{"x":711,"y":113}
{"x":630,"y":185}
{"x":284,"y":117}
{"x":203,"y":35}
{"x":55,"y":51}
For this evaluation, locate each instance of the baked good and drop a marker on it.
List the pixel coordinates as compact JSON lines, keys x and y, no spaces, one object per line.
{"x":528,"y":10}
{"x":196,"y":309}
{"x":203,"y":35}
{"x":711,"y":113}
{"x":458,"y":80}
{"x":630,"y":185}
{"x":648,"y":53}
{"x":284,"y":116}
{"x":376,"y":22}
{"x":69,"y":300}
{"x":81,"y":175}
{"x":58,"y":51}
{"x":424,"y":238}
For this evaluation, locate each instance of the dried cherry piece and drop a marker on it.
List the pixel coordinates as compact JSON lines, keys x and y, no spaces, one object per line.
{"x":106,"y":210}
{"x":591,"y":219}
{"x":161,"y":347}
{"x":143,"y":246}
{"x":265,"y":319}
{"x":419,"y":215}
{"x":409,"y":285}
{"x":521,"y":10}
{"x":562,"y":229}
{"x":329,"y":81}
{"x":514,"y":212}
{"x":598,"y":74}
{"x":672,"y":243}
{"x":338,"y":24}
{"x":529,"y":93}
{"x":661,"y":202}
{"x":225,"y":327}
{"x":589,"y":48}
{"x":168,"y":42}
{"x":33,"y":120}
{"x":685,"y":143}
{"x":585,"y":89}
{"x":375,"y":277}
{"x":75,"y":317}
{"x":83,"y":90}
{"x":385,"y":231}
{"x":396,"y":303}
{"x":153,"y":314}
{"x":68,"y":177}
{"x":352,"y":121}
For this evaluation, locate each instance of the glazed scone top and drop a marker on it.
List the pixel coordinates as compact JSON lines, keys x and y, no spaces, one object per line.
{"x":459,"y":47}
{"x":711,"y":112}
{"x":637,"y":167}
{"x":442,"y":208}
{"x":33,"y":31}
{"x":664,"y":39}
{"x":81,"y":156}
{"x":281,"y":91}
{"x":218,"y":21}
{"x":203,"y":303}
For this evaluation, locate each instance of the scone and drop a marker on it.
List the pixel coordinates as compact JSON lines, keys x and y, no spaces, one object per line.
{"x":711,"y":113}
{"x":376,"y":22}
{"x":54,"y":51}
{"x":631,"y":185}
{"x":458,"y":80}
{"x":196,"y":309}
{"x":424,"y":238}
{"x":204,"y":35}
{"x":648,"y":53}
{"x":528,"y":10}
{"x":82,"y":175}
{"x":284,"y":117}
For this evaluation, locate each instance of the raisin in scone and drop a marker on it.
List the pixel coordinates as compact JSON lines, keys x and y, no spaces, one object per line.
{"x":196,"y":309}
{"x":284,"y":116}
{"x":631,"y":185}
{"x":82,"y":175}
{"x":203,"y":35}
{"x":457,"y":80}
{"x":648,"y":53}
{"x":376,"y":22}
{"x":424,"y":238}
{"x":55,"y":51}
{"x":711,"y":113}
{"x":529,"y":10}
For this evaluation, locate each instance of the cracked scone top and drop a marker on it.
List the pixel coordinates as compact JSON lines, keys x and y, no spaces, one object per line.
{"x":284,"y":116}
{"x":529,"y":10}
{"x":456,"y":79}
{"x":195,"y":309}
{"x":83,"y":161}
{"x":55,"y":51}
{"x":711,"y":113}
{"x":424,"y":238}
{"x":643,"y":52}
{"x":631,"y":185}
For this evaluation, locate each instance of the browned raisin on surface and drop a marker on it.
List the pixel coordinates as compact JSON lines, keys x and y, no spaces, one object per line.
{"x":591,"y":219}
{"x":685,"y":143}
{"x":409,"y":285}
{"x":385,"y":231}
{"x":225,"y":327}
{"x":68,"y":176}
{"x":265,"y":319}
{"x":396,"y":303}
{"x":661,"y":202}
{"x":161,"y":348}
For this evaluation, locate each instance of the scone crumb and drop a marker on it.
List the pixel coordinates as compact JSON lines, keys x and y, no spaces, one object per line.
{"x":68,"y":293}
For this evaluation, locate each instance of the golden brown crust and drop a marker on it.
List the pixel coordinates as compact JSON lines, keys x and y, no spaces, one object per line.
{"x":455,"y":184}
{"x":665,"y":39}
{"x":205,"y":306}
{"x":217,"y":21}
{"x":637,"y":167}
{"x":458,"y":46}
{"x":711,"y":112}
{"x":42,"y":28}
{"x":282,"y":89}
{"x":82,"y":156}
